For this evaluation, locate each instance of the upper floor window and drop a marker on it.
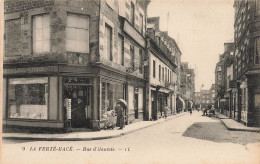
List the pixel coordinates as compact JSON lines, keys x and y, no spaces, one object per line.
{"x":41,"y":33}
{"x":108,"y":42}
{"x":162,"y":73}
{"x":132,"y":12}
{"x":159,"y":72}
{"x":121,"y":49}
{"x":166,"y":74}
{"x":154,"y":68}
{"x":141,"y":23}
{"x":132,"y":55}
{"x":77,"y":33}
{"x":140,"y":61}
{"x":257,"y":50}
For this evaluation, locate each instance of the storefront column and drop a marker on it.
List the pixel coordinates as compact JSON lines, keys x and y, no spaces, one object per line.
{"x":4,"y":95}
{"x":96,"y":114}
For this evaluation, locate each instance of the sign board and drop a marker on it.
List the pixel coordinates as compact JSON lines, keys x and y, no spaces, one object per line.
{"x":222,"y":100}
{"x":68,"y":107}
{"x":131,"y":31}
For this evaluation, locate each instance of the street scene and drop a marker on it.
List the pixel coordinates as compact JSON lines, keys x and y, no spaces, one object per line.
{"x":130,"y":81}
{"x":185,"y":139}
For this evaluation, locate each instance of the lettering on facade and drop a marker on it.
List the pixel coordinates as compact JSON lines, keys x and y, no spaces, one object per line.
{"x":128,"y":28}
{"x":30,"y":70}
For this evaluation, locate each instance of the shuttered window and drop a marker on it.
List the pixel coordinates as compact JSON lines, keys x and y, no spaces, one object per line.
{"x":41,"y":33}
{"x":77,"y":33}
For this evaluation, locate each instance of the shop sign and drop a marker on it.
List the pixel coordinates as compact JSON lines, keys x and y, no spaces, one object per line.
{"x":222,"y":100}
{"x":30,"y":70}
{"x":131,"y":31}
{"x":68,"y":107}
{"x":77,"y":80}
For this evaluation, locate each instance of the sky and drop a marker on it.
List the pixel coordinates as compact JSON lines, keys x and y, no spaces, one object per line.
{"x":200,"y":27}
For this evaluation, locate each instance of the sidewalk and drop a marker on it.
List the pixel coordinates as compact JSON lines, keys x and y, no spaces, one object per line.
{"x":234,"y":125}
{"x":86,"y":136}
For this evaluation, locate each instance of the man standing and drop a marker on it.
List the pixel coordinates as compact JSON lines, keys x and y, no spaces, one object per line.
{"x":120,"y":115}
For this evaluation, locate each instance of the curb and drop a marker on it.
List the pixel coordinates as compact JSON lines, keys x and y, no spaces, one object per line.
{"x":238,"y":129}
{"x":91,"y":138}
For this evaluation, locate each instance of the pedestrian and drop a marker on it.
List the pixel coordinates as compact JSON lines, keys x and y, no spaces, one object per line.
{"x":120,"y":115}
{"x":165,"y":111}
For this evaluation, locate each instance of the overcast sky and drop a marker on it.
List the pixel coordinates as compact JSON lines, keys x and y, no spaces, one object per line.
{"x":201,"y":27}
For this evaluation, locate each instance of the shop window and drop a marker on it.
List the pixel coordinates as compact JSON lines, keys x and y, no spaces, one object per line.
{"x":41,"y":33}
{"x":121,"y":49}
{"x":108,"y":42}
{"x":257,"y":102}
{"x":77,"y":33}
{"x":28,"y":98}
{"x":111,"y":92}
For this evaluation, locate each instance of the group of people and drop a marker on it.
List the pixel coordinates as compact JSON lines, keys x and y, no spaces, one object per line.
{"x":211,"y":110}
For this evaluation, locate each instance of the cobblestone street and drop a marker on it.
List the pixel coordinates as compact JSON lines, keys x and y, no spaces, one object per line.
{"x":185,"y":139}
{"x":217,"y":132}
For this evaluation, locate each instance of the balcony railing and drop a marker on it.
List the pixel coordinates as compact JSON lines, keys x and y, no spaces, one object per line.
{"x":163,"y":47}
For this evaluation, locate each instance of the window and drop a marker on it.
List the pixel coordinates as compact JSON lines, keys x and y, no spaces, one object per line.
{"x":257,"y":50}
{"x":141,"y":23}
{"x":28,"y":98}
{"x":159,"y":72}
{"x":108,"y":42}
{"x":154,"y":65}
{"x":258,"y":6}
{"x":162,"y":73}
{"x":121,"y":50}
{"x":168,"y":76}
{"x":140,"y":61}
{"x":41,"y":33}
{"x":132,"y":13}
{"x":165,"y":74}
{"x":132,"y":55}
{"x":111,"y":92}
{"x":77,"y":33}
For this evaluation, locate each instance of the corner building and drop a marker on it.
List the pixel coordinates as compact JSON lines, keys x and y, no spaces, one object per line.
{"x":60,"y":50}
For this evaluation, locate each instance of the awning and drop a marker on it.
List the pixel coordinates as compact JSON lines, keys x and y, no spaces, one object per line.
{"x":191,"y":103}
{"x":164,"y":90}
{"x":183,"y":103}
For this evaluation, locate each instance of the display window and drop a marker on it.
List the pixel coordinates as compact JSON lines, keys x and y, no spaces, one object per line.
{"x":111,"y":92}
{"x":28,"y":98}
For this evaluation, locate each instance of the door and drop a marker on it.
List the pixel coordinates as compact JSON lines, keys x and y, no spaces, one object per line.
{"x":136,"y":106}
{"x":80,"y":104}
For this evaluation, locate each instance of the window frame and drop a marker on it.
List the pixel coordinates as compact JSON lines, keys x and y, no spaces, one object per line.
{"x":34,"y":33}
{"x":109,"y":54}
{"x":154,"y":69}
{"x":132,"y":56}
{"x":77,"y":29}
{"x":122,"y":62}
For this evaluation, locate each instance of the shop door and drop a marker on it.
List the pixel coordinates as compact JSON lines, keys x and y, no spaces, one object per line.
{"x":80,"y":104}
{"x":136,"y":106}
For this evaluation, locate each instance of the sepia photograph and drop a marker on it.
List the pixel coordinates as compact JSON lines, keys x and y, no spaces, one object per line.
{"x":130,"y":81}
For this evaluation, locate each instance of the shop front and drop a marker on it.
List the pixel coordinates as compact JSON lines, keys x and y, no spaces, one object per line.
{"x":32,"y":101}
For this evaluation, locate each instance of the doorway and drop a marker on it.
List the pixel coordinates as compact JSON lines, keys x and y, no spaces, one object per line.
{"x":136,"y":106}
{"x":80,"y":96}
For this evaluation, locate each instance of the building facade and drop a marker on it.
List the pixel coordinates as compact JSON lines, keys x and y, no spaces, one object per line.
{"x":247,"y":61}
{"x":161,"y":73}
{"x":62,"y":56}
